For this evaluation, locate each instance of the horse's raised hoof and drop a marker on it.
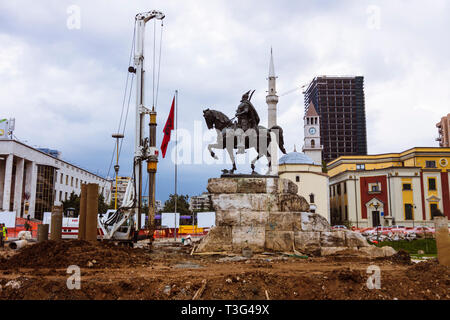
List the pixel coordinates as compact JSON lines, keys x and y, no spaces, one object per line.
{"x":214,"y":155}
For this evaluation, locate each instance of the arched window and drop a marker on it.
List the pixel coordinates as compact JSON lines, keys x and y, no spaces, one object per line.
{"x":311,"y":198}
{"x":313,"y":143}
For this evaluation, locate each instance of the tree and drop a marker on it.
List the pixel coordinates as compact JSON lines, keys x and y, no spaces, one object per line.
{"x":182,"y":204}
{"x":72,"y":202}
{"x":324,"y":167}
{"x":102,"y":205}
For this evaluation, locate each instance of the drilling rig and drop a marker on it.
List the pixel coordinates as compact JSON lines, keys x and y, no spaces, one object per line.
{"x":124,"y":224}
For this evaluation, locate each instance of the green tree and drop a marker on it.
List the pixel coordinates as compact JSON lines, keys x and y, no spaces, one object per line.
{"x":102,"y":205}
{"x":182,"y":204}
{"x":324,"y":167}
{"x":72,"y":202}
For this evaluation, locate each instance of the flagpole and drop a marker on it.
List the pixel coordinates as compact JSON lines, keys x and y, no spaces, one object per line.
{"x":176,"y":161}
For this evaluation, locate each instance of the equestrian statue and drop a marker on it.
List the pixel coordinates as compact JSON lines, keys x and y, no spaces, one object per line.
{"x":244,"y":134}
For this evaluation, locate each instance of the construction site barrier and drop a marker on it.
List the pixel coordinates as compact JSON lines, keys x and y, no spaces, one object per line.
{"x":181,"y":232}
{"x":20,"y":226}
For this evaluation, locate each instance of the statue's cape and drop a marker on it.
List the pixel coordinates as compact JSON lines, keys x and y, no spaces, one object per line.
{"x":252,"y":111}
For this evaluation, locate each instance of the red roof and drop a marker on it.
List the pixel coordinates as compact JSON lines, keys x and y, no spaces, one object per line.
{"x":311,"y":111}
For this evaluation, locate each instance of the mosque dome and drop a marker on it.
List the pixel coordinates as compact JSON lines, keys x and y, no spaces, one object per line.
{"x":295,"y":158}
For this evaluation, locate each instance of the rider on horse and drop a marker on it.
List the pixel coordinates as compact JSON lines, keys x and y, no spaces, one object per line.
{"x":247,"y":119}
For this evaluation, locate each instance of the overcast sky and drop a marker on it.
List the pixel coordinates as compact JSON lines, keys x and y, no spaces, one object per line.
{"x":65,"y":86}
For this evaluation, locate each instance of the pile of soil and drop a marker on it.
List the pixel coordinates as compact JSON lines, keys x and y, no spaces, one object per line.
{"x":430,"y":266}
{"x":61,"y":254}
{"x":401,"y":257}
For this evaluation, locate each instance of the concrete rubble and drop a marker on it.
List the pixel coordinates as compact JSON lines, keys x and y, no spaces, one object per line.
{"x":267,"y":214}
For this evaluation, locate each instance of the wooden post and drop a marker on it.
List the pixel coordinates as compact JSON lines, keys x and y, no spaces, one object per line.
{"x":442,"y":240}
{"x":56,"y":224}
{"x":42,"y":233}
{"x":91,"y":212}
{"x":82,"y":215}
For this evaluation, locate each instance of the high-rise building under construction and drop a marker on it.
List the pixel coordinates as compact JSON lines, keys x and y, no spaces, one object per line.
{"x":339,"y":101}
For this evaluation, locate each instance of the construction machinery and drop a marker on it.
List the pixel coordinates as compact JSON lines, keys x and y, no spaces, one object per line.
{"x":125,"y":223}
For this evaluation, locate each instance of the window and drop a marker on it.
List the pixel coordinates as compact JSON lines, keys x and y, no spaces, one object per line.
{"x":60,"y":196}
{"x":61,"y":179}
{"x":339,"y":189}
{"x":360,"y":167}
{"x":433,"y":208}
{"x":67,"y":180}
{"x":430,"y":164}
{"x":345,"y":187}
{"x":76,"y":183}
{"x":65,"y":196}
{"x":374,"y":187}
{"x":44,"y":190}
{"x":432,"y":184}
{"x":313,"y":144}
{"x":71,"y":182}
{"x":311,"y":198}
{"x":297,"y":178}
{"x":408,"y":211}
{"x":407,"y":186}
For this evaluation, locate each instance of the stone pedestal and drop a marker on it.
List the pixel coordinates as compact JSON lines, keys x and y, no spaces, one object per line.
{"x":267,"y":214}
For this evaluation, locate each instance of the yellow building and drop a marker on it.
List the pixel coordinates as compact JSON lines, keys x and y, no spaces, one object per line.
{"x":394,"y":188}
{"x":311,"y":182}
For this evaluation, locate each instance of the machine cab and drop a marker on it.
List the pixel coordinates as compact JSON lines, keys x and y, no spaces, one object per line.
{"x":70,"y":213}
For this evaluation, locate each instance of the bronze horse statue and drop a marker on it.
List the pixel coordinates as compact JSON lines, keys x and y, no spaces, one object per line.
{"x":226,"y":139}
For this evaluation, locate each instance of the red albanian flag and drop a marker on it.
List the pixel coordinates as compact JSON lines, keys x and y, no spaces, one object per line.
{"x":167,"y":129}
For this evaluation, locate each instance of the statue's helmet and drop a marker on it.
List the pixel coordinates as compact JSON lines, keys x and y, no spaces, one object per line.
{"x":245,"y":96}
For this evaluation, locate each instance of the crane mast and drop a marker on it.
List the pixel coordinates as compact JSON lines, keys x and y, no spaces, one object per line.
{"x":119,"y":225}
{"x":145,"y":148}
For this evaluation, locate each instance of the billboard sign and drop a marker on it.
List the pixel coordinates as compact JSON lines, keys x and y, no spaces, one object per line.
{"x":206,"y":219}
{"x":170,"y":220}
{"x":3,"y":129}
{"x":6,"y":128}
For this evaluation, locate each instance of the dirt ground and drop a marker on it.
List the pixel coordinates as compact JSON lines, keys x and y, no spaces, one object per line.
{"x":39,"y":271}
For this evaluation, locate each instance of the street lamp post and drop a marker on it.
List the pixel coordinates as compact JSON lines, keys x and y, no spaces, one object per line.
{"x":117,"y":136}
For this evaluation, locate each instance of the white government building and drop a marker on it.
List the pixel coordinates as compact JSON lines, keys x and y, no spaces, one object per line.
{"x":32,"y":180}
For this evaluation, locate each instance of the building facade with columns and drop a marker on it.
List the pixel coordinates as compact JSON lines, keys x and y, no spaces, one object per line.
{"x":32,"y":181}
{"x":390,"y":189}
